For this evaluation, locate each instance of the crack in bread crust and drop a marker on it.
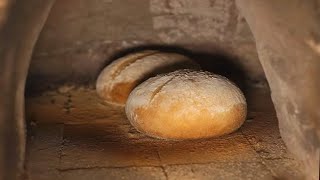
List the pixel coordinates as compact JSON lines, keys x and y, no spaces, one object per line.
{"x":131,"y":61}
{"x":160,"y":88}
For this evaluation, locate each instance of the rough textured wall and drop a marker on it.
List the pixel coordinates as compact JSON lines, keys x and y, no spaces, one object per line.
{"x":81,"y":36}
{"x":290,"y":53}
{"x":20,"y":25}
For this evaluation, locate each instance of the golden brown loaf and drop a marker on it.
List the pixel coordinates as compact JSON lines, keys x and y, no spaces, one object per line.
{"x":186,"y":104}
{"x":118,"y":79}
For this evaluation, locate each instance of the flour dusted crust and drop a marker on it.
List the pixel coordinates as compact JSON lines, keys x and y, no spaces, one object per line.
{"x":186,"y":104}
{"x":117,"y":80}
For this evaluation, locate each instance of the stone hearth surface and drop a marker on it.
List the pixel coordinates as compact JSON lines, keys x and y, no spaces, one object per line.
{"x":74,"y":135}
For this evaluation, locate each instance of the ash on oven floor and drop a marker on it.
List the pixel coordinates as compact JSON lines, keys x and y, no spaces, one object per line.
{"x":75,"y":135}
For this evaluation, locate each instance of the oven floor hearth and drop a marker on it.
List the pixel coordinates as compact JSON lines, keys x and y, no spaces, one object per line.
{"x":75,"y":135}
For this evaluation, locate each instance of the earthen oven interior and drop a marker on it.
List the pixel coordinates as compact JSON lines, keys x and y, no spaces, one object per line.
{"x":72,"y":134}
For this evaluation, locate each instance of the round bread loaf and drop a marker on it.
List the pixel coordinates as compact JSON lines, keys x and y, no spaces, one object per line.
{"x":186,"y":104}
{"x":117,"y":80}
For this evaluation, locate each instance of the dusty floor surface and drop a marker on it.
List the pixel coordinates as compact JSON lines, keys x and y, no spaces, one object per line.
{"x":74,"y":135}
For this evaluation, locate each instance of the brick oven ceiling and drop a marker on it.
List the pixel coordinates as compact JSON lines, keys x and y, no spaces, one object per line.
{"x":81,"y":36}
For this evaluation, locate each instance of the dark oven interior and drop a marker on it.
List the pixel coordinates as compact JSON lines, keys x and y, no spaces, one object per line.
{"x":73,"y":134}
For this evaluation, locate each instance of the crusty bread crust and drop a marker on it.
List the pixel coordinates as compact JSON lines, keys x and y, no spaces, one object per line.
{"x":117,"y":80}
{"x":186,"y":105}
